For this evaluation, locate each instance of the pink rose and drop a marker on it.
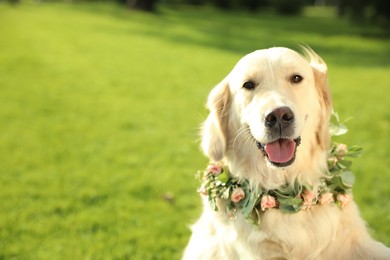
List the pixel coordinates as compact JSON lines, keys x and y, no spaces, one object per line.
{"x":326,"y":198}
{"x":344,"y":199}
{"x":308,"y":199}
{"x":237,"y":195}
{"x":214,"y":169}
{"x":267,"y":202}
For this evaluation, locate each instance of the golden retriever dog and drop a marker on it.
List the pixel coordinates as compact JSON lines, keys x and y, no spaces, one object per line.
{"x":269,"y":128}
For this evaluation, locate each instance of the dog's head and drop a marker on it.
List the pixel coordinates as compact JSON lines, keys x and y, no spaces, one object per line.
{"x":273,"y":100}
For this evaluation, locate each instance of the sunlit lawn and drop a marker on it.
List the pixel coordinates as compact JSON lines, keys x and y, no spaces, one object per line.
{"x":99,"y":116}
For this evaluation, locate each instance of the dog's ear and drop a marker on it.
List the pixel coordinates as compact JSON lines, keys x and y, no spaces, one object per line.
{"x":320,"y":72}
{"x":214,"y":130}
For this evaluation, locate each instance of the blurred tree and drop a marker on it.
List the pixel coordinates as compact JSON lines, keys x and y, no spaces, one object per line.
{"x":288,"y":7}
{"x":377,"y":11}
{"x":223,"y":4}
{"x":382,"y":8}
{"x":253,"y":5}
{"x":146,"y":5}
{"x":196,"y":2}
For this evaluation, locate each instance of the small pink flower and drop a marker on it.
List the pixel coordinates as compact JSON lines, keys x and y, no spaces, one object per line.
{"x":237,"y":195}
{"x":332,"y":161}
{"x":344,"y":199}
{"x":341,"y":150}
{"x":308,"y":199}
{"x":326,"y":198}
{"x":267,"y":202}
{"x":214,"y":169}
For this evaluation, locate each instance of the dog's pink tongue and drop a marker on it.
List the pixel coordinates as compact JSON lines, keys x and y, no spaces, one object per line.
{"x":280,"y":151}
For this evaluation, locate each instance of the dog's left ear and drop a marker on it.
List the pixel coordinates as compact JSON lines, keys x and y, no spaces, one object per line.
{"x":214,"y":131}
{"x":320,"y":71}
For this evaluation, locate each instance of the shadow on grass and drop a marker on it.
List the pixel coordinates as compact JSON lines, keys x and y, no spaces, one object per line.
{"x":241,"y":32}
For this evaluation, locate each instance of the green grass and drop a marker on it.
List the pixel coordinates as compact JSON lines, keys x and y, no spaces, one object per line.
{"x":99,"y":115}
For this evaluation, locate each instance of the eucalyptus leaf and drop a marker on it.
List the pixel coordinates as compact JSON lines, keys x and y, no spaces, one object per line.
{"x":336,"y":182}
{"x":345,"y":163}
{"x":247,"y":209}
{"x":340,"y":165}
{"x":354,"y":151}
{"x":337,"y":130}
{"x":242,"y":203}
{"x":284,"y":192}
{"x":213,"y":204}
{"x":288,"y":208}
{"x":290,"y":201}
{"x":331,"y":187}
{"x":348,"y":179}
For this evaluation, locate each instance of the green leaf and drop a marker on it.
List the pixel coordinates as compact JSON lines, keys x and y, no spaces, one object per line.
{"x":247,"y":209}
{"x":290,"y":205}
{"x":223,"y":177}
{"x":242,"y":203}
{"x":348,"y":178}
{"x":343,"y":164}
{"x":284,"y":192}
{"x":337,"y":130}
{"x":213,"y":204}
{"x":290,"y":201}
{"x":354,"y":151}
{"x":288,"y":208}
{"x":336,"y":182}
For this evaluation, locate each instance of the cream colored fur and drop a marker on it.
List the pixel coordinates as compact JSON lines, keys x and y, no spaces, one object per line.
{"x":235,"y":122}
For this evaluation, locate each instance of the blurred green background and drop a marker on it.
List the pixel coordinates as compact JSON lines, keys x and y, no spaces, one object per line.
{"x":100,"y":107}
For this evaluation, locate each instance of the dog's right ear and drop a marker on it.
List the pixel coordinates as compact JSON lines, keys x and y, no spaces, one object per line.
{"x":214,"y":130}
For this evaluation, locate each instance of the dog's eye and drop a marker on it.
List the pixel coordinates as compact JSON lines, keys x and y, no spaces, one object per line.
{"x":249,"y":85}
{"x":296,"y":78}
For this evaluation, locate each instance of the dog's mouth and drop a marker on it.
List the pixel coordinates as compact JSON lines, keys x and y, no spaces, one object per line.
{"x":280,"y":152}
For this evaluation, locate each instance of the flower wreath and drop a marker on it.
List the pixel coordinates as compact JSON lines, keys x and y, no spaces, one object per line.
{"x":336,"y":187}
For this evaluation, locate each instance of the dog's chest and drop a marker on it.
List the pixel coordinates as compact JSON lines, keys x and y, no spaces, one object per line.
{"x":278,"y":234}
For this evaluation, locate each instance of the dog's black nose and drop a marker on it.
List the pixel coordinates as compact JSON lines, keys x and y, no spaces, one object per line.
{"x":280,"y":118}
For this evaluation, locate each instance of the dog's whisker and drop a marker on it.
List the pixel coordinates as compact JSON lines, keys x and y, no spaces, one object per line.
{"x":243,"y":140}
{"x":243,"y":131}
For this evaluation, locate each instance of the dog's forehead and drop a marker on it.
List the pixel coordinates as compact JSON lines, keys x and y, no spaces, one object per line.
{"x":277,"y":56}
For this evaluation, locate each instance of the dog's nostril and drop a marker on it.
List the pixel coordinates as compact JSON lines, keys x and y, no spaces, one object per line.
{"x":288,"y":116}
{"x":270,"y":119}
